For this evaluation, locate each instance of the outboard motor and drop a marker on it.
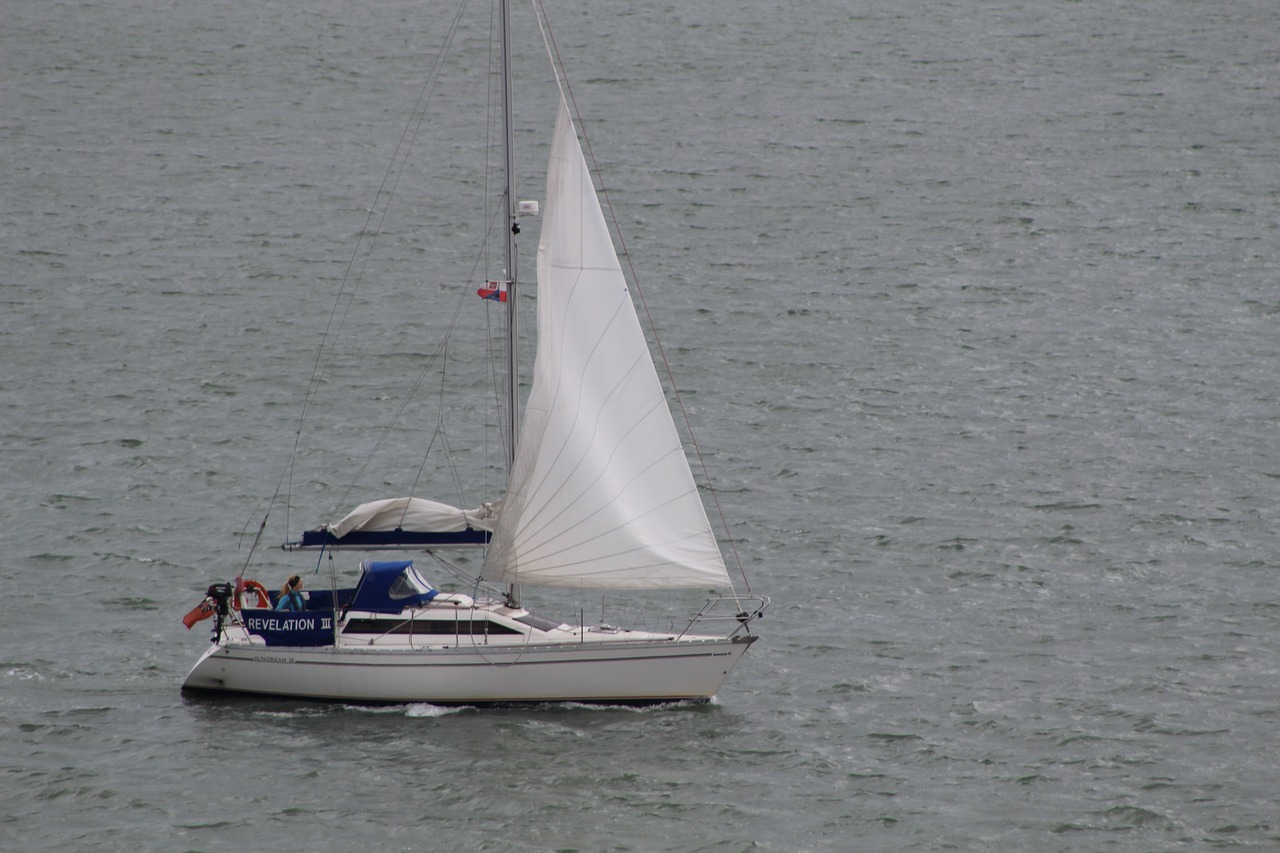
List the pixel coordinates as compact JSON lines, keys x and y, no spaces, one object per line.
{"x":221,"y":595}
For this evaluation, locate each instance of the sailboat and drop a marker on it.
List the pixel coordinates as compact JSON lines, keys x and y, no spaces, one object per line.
{"x":600,"y":497}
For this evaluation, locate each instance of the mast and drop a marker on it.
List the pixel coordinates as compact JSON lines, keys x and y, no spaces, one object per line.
{"x":513,"y":229}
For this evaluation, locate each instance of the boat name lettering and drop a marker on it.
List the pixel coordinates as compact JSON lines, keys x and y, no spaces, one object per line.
{"x":277,"y":623}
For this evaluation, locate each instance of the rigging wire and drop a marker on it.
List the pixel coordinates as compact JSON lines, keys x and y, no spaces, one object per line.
{"x":439,"y":356}
{"x":400,"y":155}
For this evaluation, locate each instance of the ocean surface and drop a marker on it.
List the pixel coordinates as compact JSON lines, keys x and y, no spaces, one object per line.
{"x":975,"y":310}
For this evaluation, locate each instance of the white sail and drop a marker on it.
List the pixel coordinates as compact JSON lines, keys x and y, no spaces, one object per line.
{"x":601,"y":495}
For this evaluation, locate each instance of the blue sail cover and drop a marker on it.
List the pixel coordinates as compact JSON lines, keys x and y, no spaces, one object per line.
{"x":370,"y":539}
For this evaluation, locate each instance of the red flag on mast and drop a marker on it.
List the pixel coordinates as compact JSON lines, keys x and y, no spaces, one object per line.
{"x":495,"y":290}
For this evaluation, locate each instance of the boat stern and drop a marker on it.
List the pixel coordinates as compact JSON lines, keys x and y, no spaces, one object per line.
{"x":206,"y":674}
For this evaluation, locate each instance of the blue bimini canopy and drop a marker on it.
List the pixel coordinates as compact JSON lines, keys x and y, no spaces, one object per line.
{"x":391,"y":587}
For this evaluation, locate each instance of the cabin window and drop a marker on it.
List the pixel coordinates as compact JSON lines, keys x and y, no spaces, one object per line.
{"x":427,"y":626}
{"x":409,"y":584}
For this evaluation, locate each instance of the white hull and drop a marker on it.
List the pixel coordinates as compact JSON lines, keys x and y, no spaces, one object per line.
{"x":613,"y":672}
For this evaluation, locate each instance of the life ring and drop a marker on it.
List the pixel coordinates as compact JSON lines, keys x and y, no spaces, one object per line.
{"x":264,"y":600}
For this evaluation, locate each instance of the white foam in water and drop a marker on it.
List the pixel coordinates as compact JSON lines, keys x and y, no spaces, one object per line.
{"x":422,"y":709}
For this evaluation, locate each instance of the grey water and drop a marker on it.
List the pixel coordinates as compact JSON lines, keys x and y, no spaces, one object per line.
{"x":975,"y":308}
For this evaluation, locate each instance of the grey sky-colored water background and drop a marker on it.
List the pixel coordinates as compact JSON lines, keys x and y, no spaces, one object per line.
{"x":974,"y":307}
